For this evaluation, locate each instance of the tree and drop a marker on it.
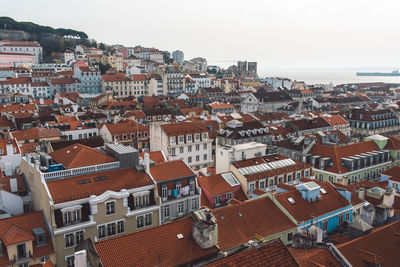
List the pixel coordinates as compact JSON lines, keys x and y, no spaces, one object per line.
{"x":102,"y":46}
{"x":103,"y":68}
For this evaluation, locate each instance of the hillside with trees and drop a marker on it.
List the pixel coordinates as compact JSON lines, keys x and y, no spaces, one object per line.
{"x":52,"y":40}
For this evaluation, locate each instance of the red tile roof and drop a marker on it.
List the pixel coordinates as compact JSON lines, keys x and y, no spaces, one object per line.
{"x":35,"y":133}
{"x":19,"y":228}
{"x":170,"y":170}
{"x":77,"y":155}
{"x":273,"y":253}
{"x":126,"y":127}
{"x":156,"y":156}
{"x":116,"y":181}
{"x":239,"y":223}
{"x":158,"y":246}
{"x":338,"y":152}
{"x":302,"y":209}
{"x":215,"y":184}
{"x":182,"y":128}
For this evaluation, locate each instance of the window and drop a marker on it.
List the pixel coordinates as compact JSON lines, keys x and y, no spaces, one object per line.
{"x":205,"y":146}
{"x":189,"y":148}
{"x":79,"y":237}
{"x":180,"y":208}
{"x":164,"y":192}
{"x":205,"y":157}
{"x":204,"y":136}
{"x":70,"y":261}
{"x":262,"y":184}
{"x":173,"y":151}
{"x":77,"y":215}
{"x":148,"y":219}
{"x":194,"y":204}
{"x":298,"y":175}
{"x":290,"y":237}
{"x":44,"y":259}
{"x":252,"y":187}
{"x":110,"y":207}
{"x":69,"y":240}
{"x":145,"y":200}
{"x":67,"y":218}
{"x":120,"y":227}
{"x":348,"y":217}
{"x":197,"y":137}
{"x":189,"y":138}
{"x":197,"y":158}
{"x":111,"y":229}
{"x":228,"y":196}
{"x":102,"y":231}
{"x":197,"y":147}
{"x":166,"y":211}
{"x":271,"y":182}
{"x":180,"y":139}
{"x":189,"y":159}
{"x":181,"y":150}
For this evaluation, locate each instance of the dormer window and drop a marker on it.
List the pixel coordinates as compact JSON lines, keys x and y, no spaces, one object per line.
{"x":67,"y":217}
{"x":189,"y":138}
{"x":172,"y":140}
{"x":40,"y":236}
{"x":197,"y":137}
{"x":180,"y":139}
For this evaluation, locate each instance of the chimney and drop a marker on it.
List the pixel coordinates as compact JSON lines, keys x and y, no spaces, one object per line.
{"x":146,"y":162}
{"x":14,"y":185}
{"x":361,"y":193}
{"x":205,"y":229}
{"x":9,"y":148}
{"x":81,"y":258}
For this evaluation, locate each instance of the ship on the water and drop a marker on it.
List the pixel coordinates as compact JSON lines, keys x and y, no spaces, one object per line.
{"x":393,"y":73}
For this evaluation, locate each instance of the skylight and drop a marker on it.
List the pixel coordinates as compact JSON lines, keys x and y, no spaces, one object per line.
{"x":323,"y":191}
{"x":291,"y":200}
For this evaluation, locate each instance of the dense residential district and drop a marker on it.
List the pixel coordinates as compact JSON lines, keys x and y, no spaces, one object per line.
{"x":174,"y":162}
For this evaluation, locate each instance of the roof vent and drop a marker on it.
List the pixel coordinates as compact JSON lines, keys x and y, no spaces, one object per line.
{"x":180,"y":236}
{"x":240,"y":214}
{"x":68,"y":151}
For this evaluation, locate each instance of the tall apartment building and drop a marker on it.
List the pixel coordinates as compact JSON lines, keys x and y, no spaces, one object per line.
{"x":186,"y":140}
{"x":252,"y":68}
{"x":108,"y":194}
{"x":178,"y":57}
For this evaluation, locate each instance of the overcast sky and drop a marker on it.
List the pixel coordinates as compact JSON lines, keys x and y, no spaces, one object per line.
{"x":278,"y":34}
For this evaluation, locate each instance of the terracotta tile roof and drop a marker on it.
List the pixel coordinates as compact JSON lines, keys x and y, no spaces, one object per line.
{"x":239,"y":223}
{"x":116,"y":180}
{"x":6,"y":123}
{"x":77,"y":155}
{"x":35,"y":133}
{"x":335,"y":120}
{"x":126,"y":127}
{"x":156,"y":156}
{"x":302,"y":209}
{"x":393,"y":173}
{"x":315,"y":257}
{"x":3,"y":146}
{"x":381,"y":245}
{"x":338,"y":152}
{"x":138,"y":114}
{"x":158,"y":246}
{"x":64,"y":80}
{"x":29,"y":147}
{"x":18,"y":108}
{"x":182,"y":128}
{"x":66,"y":119}
{"x":96,"y":141}
{"x":220,"y":105}
{"x":393,"y":143}
{"x":273,"y":254}
{"x":15,"y":235}
{"x":5,"y":183}
{"x":19,"y":228}
{"x":215,"y":184}
{"x":170,"y":170}
{"x":117,"y":77}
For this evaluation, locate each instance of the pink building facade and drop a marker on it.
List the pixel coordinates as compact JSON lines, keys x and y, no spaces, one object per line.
{"x":15,"y":60}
